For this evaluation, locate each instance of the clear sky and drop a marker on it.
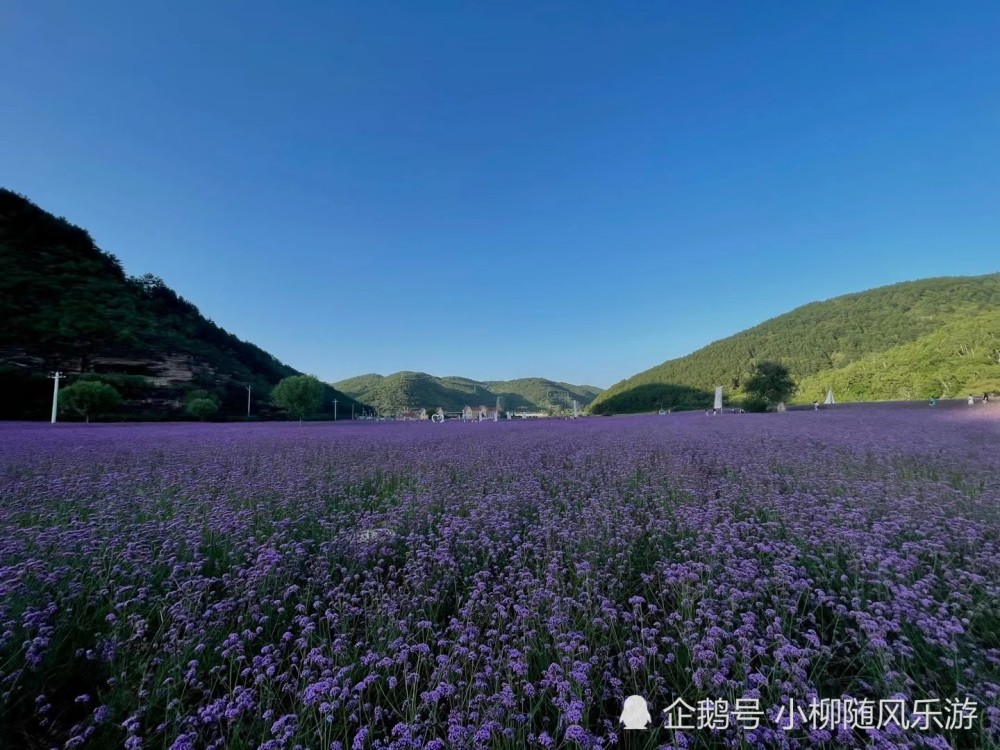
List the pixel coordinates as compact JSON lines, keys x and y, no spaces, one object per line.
{"x":574,"y":190}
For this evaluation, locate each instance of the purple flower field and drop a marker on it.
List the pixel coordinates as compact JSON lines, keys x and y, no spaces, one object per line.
{"x":498,"y":585}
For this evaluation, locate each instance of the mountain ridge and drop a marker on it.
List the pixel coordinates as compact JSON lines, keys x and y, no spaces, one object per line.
{"x":408,"y":389}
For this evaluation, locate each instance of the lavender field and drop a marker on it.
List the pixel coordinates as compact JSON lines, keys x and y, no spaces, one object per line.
{"x":496,"y":585}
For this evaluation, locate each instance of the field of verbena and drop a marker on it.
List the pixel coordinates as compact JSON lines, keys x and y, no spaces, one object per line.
{"x":493,"y":585}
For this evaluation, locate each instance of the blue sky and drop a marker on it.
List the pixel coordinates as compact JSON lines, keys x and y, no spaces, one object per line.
{"x":573,"y":190}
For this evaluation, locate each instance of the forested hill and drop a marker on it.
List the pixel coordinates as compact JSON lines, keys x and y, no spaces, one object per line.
{"x":935,"y":337}
{"x":66,"y":304}
{"x":415,"y":390}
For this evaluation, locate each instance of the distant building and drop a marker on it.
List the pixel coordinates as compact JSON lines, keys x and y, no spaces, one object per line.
{"x":412,"y":416}
{"x":478,"y":413}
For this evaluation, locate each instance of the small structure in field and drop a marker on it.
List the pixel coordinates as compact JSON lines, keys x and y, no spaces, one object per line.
{"x":479,"y":413}
{"x":412,"y":416}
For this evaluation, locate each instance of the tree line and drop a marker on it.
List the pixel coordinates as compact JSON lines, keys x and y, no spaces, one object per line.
{"x":299,"y":396}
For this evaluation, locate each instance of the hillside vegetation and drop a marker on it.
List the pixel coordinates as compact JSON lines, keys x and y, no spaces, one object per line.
{"x":935,"y":337}
{"x":415,"y":390}
{"x":67,"y":304}
{"x":961,"y":357}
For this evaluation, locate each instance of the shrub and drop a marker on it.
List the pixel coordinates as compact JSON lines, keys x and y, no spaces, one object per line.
{"x":88,"y":397}
{"x":202,"y":408}
{"x":755,"y":403}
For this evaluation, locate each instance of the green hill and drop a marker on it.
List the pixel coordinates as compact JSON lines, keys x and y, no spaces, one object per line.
{"x":66,"y":304}
{"x":934,"y":337}
{"x":414,"y":390}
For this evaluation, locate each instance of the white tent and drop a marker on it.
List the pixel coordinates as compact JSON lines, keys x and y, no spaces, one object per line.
{"x":829,"y":397}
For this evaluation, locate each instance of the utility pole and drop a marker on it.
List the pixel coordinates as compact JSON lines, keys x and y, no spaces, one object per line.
{"x":352,"y":411}
{"x":248,"y":400}
{"x":335,"y":410}
{"x":55,"y":393}
{"x":496,"y":414}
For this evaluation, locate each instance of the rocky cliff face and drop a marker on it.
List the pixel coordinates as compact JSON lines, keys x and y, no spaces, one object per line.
{"x":164,"y":379}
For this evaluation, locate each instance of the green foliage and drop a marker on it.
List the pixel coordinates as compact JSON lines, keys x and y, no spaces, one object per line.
{"x":88,"y":397}
{"x":770,"y":382}
{"x":299,"y":395}
{"x":893,"y":342}
{"x":198,"y":394}
{"x":129,"y":386}
{"x":414,"y":390}
{"x":202,"y":408}
{"x":58,"y":291}
{"x":201,"y":404}
{"x":961,"y":357}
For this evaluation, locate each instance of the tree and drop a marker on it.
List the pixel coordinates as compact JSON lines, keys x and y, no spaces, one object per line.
{"x":88,"y":397}
{"x":770,"y":382}
{"x":202,"y":408}
{"x":298,"y":395}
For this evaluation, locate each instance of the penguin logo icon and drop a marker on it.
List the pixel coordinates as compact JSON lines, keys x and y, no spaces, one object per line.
{"x":635,"y":713}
